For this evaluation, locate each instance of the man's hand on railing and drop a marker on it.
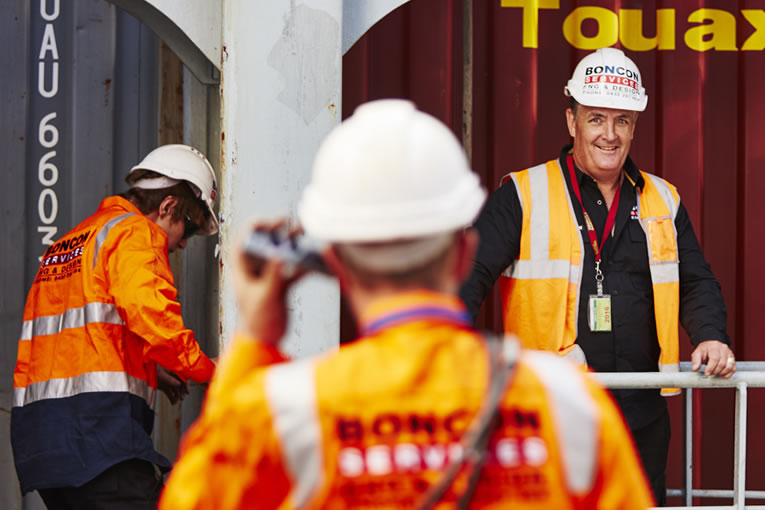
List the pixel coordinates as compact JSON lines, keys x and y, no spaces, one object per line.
{"x":717,"y":356}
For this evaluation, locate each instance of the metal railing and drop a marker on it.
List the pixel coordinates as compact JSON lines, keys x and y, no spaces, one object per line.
{"x":748,"y":374}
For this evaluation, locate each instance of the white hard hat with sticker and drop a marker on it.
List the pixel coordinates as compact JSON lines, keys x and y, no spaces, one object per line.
{"x":608,"y":78}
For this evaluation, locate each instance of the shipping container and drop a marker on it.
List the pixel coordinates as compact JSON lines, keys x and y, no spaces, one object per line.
{"x":87,"y":92}
{"x":500,"y":87}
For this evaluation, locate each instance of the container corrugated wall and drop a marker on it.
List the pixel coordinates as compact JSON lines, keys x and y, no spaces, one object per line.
{"x":81,"y":104}
{"x":69,"y":134}
{"x":703,"y":130}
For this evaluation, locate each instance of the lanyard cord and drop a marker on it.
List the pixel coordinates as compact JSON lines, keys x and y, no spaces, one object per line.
{"x":610,"y":219}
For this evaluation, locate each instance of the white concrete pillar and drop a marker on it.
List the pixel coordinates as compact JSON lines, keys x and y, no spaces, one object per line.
{"x":280,"y":65}
{"x":281,"y":76}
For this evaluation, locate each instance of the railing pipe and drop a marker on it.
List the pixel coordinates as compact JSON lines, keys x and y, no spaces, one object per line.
{"x":747,"y":374}
{"x":741,"y":366}
{"x":715,"y":493}
{"x":677,"y":380}
{"x":725,"y":507}
{"x":739,"y":462}
{"x":689,"y":446}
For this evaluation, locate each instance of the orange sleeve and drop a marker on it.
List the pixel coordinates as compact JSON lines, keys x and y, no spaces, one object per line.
{"x":238,"y":362}
{"x":230,"y":458}
{"x":141,"y":283}
{"x":620,"y":482}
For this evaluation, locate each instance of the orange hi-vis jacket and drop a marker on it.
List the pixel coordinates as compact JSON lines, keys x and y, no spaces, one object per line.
{"x":541,"y":291}
{"x":374,"y":424}
{"x":99,"y":316}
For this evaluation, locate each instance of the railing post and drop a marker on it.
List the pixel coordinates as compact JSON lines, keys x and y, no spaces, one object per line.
{"x":748,"y":374}
{"x":688,"y":450}
{"x":739,"y":455}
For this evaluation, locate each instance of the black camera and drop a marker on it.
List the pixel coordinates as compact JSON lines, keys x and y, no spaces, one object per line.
{"x":300,"y":252}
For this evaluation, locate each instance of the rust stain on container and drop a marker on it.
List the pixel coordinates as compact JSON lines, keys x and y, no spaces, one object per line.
{"x":107,"y":89}
{"x":171,"y":113}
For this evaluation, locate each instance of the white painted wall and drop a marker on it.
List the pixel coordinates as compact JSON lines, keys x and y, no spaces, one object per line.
{"x":199,"y":19}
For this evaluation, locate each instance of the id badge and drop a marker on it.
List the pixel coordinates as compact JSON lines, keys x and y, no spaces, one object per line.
{"x":599,"y":312}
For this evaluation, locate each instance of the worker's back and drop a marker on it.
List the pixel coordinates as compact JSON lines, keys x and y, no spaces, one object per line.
{"x":375,"y":425}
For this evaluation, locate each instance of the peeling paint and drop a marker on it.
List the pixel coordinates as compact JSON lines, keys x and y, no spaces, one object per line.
{"x":234,"y":155}
{"x":303,"y":61}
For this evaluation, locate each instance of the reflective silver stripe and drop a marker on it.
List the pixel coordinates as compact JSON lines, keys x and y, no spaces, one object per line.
{"x":576,"y":270}
{"x":575,"y":415}
{"x":576,"y":355}
{"x":669,"y":368}
{"x":101,"y":237}
{"x":539,"y":220}
{"x":665,"y":272}
{"x":540,"y":266}
{"x":666,"y":194}
{"x":84,"y":383}
{"x":539,"y":230}
{"x":72,"y":318}
{"x":537,"y":269}
{"x":292,"y":398}
{"x":652,"y":218}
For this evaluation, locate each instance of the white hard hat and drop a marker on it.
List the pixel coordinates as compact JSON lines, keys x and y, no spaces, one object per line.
{"x":182,"y":162}
{"x":608,"y":79}
{"x":389,"y":172}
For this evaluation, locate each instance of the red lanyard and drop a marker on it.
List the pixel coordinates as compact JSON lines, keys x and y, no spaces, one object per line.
{"x":610,"y":219}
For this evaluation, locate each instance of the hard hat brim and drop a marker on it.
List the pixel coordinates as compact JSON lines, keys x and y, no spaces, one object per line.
{"x":335,"y":222}
{"x":601,"y":101}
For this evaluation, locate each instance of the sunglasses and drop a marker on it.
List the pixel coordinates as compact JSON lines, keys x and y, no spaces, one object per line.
{"x":189,"y":227}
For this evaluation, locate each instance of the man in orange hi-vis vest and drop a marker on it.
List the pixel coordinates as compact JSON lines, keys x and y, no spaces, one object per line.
{"x":422,"y":411}
{"x":597,"y":259}
{"x":100,"y":322}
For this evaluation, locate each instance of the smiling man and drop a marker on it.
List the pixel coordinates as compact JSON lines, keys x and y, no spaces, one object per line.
{"x":598,"y":261}
{"x":100,"y":322}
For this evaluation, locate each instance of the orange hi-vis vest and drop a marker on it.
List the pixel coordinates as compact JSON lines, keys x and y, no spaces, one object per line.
{"x":374,"y":425}
{"x":99,"y":316}
{"x":541,"y":290}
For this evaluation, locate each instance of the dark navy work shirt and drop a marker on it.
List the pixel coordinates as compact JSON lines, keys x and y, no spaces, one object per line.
{"x":632,"y":345}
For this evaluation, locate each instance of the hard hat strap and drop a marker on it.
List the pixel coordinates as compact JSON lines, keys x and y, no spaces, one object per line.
{"x":503,"y":355}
